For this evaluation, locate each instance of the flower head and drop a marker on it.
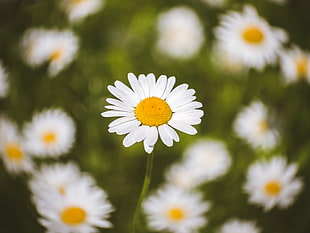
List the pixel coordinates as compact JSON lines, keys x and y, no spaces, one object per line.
{"x":253,"y":125}
{"x":57,"y":48}
{"x":249,"y":38}
{"x":239,"y":226}
{"x":79,"y":9}
{"x":272,"y":183}
{"x":50,"y":133}
{"x":175,"y":210}
{"x":295,"y":65}
{"x":4,"y":86}
{"x":152,"y":108}
{"x":180,"y":32}
{"x":12,"y":150}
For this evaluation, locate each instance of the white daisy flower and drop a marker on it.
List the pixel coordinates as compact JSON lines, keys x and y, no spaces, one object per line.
{"x":208,"y":159}
{"x":182,"y":176}
{"x":81,"y":210}
{"x":50,"y":133}
{"x":175,"y":210}
{"x":272,"y":183}
{"x":239,"y":226}
{"x":249,"y":38}
{"x":12,"y":151}
{"x":79,"y":9}
{"x":180,"y":31}
{"x":58,"y":48}
{"x":4,"y":86}
{"x":253,"y":125}
{"x":57,"y":178}
{"x":295,"y":65}
{"x":152,"y":108}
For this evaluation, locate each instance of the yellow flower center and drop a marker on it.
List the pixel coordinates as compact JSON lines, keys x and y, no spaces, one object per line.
{"x":273,"y":188}
{"x":262,"y":126}
{"x":176,"y":214}
{"x":301,"y":66}
{"x":56,"y":55}
{"x":73,"y":215}
{"x":253,"y":35}
{"x":49,"y":137}
{"x":153,"y":111}
{"x":14,"y":152}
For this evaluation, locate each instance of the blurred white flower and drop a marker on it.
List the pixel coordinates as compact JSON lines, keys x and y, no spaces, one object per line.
{"x":272,"y":183}
{"x":4,"y":85}
{"x":12,"y":151}
{"x":208,"y":159}
{"x":295,"y":65}
{"x":215,"y":3}
{"x":239,"y":226}
{"x":152,"y":108}
{"x":175,"y":210}
{"x":80,"y":210}
{"x":253,"y":125}
{"x":50,"y":133}
{"x":249,"y":38}
{"x":58,"y":48}
{"x":180,"y":32}
{"x":79,"y":9}
{"x":57,"y":178}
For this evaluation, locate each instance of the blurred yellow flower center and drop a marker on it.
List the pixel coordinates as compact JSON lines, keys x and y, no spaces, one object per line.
{"x":56,"y":55}
{"x":253,"y":35}
{"x":176,"y":214}
{"x":301,"y":66}
{"x":49,"y":137}
{"x":273,"y":188}
{"x":73,"y":215}
{"x":153,"y":111}
{"x":13,"y":151}
{"x":262,"y":126}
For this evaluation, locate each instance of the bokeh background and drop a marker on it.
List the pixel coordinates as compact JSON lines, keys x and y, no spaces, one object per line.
{"x":119,"y":39}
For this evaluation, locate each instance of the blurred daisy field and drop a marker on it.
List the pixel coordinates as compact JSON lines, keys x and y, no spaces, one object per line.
{"x":184,"y":116}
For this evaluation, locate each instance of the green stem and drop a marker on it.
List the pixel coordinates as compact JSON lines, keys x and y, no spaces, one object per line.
{"x":146,"y":183}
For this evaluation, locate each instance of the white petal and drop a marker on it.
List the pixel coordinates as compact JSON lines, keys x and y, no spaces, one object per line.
{"x":122,"y":96}
{"x":152,"y":136}
{"x":141,"y":133}
{"x":186,"y":107}
{"x":144,"y":84}
{"x":160,"y":86}
{"x":113,"y":107}
{"x":177,"y":93}
{"x":128,"y":92}
{"x":170,"y":84}
{"x":115,"y":114}
{"x":125,"y":127}
{"x":172,"y":133}
{"x":121,"y":120}
{"x":166,"y":139}
{"x":129,"y":140}
{"x":183,"y":127}
{"x":151,"y":83}
{"x":148,"y":148}
{"x":136,"y":86}
{"x":119,"y":103}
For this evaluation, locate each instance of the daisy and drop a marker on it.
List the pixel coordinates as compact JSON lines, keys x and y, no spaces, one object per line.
{"x":4,"y":86}
{"x":272,"y":183}
{"x":182,"y":176}
{"x":175,"y":210}
{"x":79,"y":9}
{"x":295,"y":65}
{"x":57,"y":178}
{"x":249,"y":38}
{"x":152,"y":108}
{"x":12,"y":151}
{"x":57,"y":48}
{"x":253,"y":125}
{"x":239,"y":226}
{"x":81,"y":210}
{"x":180,"y":31}
{"x":50,"y":133}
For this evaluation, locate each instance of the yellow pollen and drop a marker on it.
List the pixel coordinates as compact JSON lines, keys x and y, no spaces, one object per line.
{"x":13,"y":151}
{"x":273,"y":188}
{"x":153,"y":111}
{"x":73,"y":215}
{"x":301,"y":66}
{"x":263,"y":126}
{"x":56,"y":55}
{"x":61,"y":190}
{"x":253,"y":35}
{"x":176,"y":214}
{"x":49,"y":137}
